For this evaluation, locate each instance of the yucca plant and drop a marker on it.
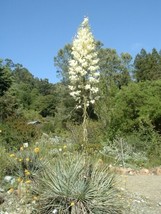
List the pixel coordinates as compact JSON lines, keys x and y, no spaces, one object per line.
{"x":75,"y":185}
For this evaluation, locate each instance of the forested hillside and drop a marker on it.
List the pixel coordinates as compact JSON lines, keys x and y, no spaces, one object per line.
{"x":129,"y":106}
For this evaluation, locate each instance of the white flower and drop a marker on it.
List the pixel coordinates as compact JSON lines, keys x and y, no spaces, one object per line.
{"x":92,"y":79}
{"x":94,"y":90}
{"x":87,"y":87}
{"x":75,"y":93}
{"x":25,"y":145}
{"x":92,"y":101}
{"x":85,"y":21}
{"x":85,"y":64}
{"x":83,"y":67}
{"x":78,"y":106}
{"x":55,"y":211}
{"x":95,"y":61}
{"x":73,"y":63}
{"x":71,"y":87}
{"x":96,"y":74}
{"x":73,"y":78}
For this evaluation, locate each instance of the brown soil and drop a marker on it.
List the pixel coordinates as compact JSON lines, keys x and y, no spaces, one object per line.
{"x":143,"y":193}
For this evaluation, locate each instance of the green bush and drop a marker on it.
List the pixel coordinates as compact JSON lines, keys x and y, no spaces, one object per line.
{"x":74,"y":184}
{"x":136,"y":107}
{"x":26,"y":161}
{"x":4,"y":162}
{"x":16,"y":131}
{"x":124,"y":152}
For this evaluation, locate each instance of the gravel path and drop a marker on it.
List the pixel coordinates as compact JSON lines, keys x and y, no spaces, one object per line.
{"x":143,"y":193}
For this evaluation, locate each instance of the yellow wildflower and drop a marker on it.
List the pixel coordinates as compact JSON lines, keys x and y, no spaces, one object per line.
{"x":64,"y":147}
{"x":10,"y":190}
{"x":27,"y":172}
{"x":28,"y":182}
{"x":0,"y":130}
{"x":27,"y":159}
{"x":19,"y":179}
{"x":12,"y":155}
{"x":20,"y":159}
{"x":36,"y":150}
{"x":35,"y":198}
{"x":72,"y":204}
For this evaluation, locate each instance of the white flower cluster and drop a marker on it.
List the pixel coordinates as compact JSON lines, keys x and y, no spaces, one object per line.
{"x":83,"y":67}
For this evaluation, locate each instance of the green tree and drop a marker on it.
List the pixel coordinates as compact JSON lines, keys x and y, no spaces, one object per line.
{"x":114,"y":68}
{"x":114,"y":74}
{"x":8,"y":106}
{"x":147,"y":66}
{"x":137,"y":106}
{"x":61,"y":61}
{"x":21,"y":74}
{"x":44,"y":87}
{"x":5,"y":78}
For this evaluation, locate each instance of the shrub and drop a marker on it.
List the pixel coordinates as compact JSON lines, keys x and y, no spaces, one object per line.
{"x":16,"y":131}
{"x":25,"y":162}
{"x":75,"y":184}
{"x":4,"y":162}
{"x":123,"y":152}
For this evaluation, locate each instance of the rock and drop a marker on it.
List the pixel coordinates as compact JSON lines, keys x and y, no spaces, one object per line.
{"x":159,"y":203}
{"x":35,"y":122}
{"x":144,"y":172}
{"x":120,"y":170}
{"x":1,"y":190}
{"x":25,"y":145}
{"x":131,"y":171}
{"x":157,"y":171}
{"x":9,"y":179}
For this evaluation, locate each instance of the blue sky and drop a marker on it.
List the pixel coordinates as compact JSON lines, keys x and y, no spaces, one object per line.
{"x":33,"y":31}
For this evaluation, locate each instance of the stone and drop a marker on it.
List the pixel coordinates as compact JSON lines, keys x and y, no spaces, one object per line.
{"x":158,"y":171}
{"x":9,"y":179}
{"x":144,"y":172}
{"x":1,"y":190}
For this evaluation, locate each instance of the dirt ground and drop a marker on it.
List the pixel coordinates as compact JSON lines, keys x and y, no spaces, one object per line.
{"x":143,"y":193}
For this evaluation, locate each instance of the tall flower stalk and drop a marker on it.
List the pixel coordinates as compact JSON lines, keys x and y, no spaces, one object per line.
{"x":83,"y":71}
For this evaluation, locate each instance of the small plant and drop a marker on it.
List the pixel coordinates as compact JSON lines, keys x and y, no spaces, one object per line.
{"x":75,"y":184}
{"x":4,"y":162}
{"x":24,"y":163}
{"x":123,"y":153}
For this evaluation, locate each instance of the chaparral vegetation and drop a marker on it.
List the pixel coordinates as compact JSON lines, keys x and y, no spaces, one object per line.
{"x":58,"y":142}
